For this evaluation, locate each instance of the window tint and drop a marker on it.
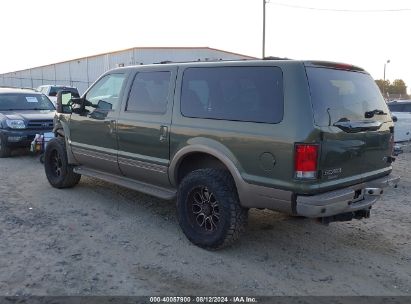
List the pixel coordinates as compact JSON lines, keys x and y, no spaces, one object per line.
{"x":396,"y":107}
{"x":338,"y":95}
{"x":253,"y":94}
{"x":54,"y":90}
{"x":407,"y":108}
{"x":105,"y":93}
{"x":149,"y":93}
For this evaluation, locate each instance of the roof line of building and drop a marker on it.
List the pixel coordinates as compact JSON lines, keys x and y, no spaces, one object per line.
{"x":133,"y":48}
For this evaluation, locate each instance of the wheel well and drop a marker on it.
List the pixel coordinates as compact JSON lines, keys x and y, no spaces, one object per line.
{"x":195,"y":161}
{"x":58,"y":129}
{"x":59,"y":132}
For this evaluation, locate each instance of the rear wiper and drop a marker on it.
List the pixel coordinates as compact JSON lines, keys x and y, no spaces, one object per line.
{"x":370,"y":114}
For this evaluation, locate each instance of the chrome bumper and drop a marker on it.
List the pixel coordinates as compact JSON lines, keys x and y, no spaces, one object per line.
{"x":353,"y":198}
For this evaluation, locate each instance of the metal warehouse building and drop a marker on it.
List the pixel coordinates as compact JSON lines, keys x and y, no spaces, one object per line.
{"x":82,"y":72}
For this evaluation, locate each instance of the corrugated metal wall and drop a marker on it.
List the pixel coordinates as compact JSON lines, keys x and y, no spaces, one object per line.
{"x":81,"y":73}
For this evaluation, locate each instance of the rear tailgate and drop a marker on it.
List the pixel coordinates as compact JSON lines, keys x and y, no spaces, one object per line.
{"x":355,"y":123}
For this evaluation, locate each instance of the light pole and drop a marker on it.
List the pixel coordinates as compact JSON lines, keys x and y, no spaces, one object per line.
{"x":383,"y":84}
{"x":264,"y":3}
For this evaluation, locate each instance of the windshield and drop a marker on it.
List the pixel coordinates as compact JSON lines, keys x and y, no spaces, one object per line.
{"x":339,"y":95}
{"x":24,"y":102}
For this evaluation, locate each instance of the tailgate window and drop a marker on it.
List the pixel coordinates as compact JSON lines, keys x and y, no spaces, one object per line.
{"x":340,"y":95}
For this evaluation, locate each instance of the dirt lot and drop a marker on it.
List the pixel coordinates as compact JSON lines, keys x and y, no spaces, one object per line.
{"x":100,"y":239}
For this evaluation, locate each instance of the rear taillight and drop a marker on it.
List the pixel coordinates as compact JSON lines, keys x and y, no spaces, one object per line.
{"x":306,"y":161}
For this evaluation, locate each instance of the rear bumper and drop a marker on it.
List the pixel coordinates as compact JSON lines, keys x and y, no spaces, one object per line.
{"x":357,"y":197}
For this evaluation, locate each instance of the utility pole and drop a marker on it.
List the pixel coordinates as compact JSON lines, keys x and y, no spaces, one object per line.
{"x":383,"y":84}
{"x":264,"y":3}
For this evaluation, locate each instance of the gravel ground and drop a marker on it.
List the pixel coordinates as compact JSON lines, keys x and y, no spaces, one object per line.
{"x":100,"y":239}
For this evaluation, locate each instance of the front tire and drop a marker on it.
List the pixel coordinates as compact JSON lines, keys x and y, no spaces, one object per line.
{"x":58,"y":171}
{"x":208,"y":209}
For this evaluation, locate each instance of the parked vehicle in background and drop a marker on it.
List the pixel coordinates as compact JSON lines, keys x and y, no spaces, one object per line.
{"x":312,"y":139}
{"x":51,"y":91}
{"x":402,"y":110}
{"x":23,"y":114}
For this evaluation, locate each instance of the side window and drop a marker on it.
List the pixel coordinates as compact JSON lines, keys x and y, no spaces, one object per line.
{"x":200,"y":88}
{"x":54,"y":90}
{"x":149,"y":93}
{"x":105,"y":93}
{"x":407,"y":108}
{"x":253,"y":94}
{"x":395,"y":107}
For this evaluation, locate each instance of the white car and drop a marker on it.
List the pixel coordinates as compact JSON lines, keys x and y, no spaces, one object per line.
{"x":51,"y":91}
{"x":401,"y":110}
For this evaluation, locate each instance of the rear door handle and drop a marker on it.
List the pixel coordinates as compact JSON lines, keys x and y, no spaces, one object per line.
{"x":163,"y":133}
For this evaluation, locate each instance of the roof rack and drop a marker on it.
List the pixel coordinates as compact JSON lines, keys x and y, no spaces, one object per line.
{"x":200,"y":60}
{"x":276,"y":58}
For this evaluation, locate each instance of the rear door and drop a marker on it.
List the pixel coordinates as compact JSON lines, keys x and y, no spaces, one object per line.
{"x":144,"y":126}
{"x":355,"y":122}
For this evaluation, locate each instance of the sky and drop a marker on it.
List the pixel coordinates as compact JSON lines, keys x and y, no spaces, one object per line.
{"x":366,"y":33}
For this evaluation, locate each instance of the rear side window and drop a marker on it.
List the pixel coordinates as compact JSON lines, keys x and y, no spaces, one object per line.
{"x":397,"y":107}
{"x":253,"y":94}
{"x":149,"y":93}
{"x":339,"y":95}
{"x":55,"y":90}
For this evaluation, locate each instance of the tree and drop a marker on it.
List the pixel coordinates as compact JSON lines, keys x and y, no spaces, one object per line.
{"x":398,"y":87}
{"x":383,"y":85}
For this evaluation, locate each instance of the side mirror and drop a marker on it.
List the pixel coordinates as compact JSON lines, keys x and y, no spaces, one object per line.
{"x":104,"y":105}
{"x":64,"y":99}
{"x":394,"y":118}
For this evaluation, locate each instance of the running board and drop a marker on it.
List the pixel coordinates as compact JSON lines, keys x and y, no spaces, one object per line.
{"x":160,"y":192}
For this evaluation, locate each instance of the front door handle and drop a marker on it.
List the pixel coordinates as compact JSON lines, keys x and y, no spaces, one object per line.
{"x":163,"y":133}
{"x":112,"y":126}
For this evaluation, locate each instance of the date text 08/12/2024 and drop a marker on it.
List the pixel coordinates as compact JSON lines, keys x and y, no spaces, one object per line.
{"x":205,"y":299}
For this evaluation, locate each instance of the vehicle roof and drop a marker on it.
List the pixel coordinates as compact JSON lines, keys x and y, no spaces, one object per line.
{"x":17,"y":91}
{"x":281,"y":62}
{"x":56,"y":85}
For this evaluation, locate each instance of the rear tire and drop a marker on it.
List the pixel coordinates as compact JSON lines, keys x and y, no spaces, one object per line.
{"x":58,"y":171}
{"x":208,"y":209}
{"x":4,"y":150}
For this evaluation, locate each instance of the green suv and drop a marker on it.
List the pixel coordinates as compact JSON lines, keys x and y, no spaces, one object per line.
{"x":307,"y":138}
